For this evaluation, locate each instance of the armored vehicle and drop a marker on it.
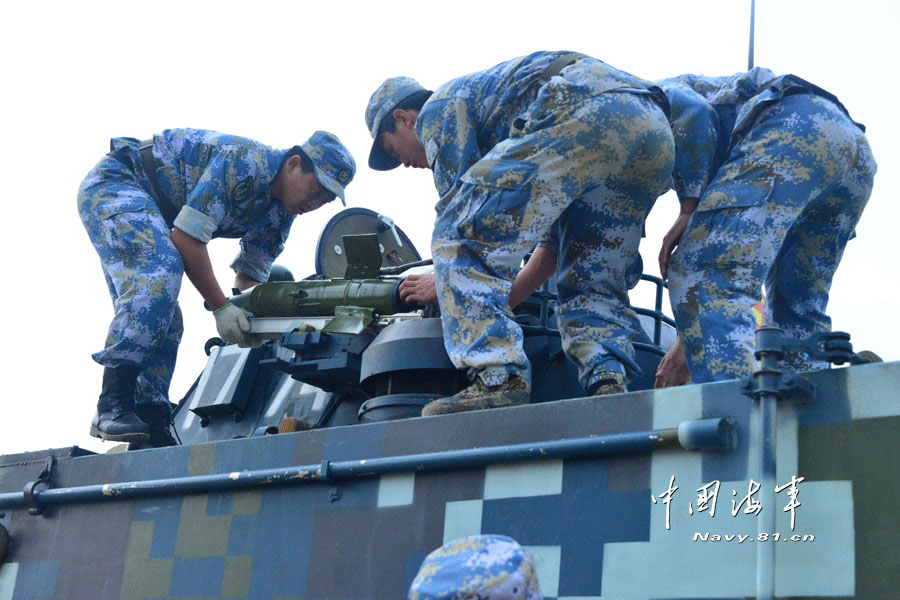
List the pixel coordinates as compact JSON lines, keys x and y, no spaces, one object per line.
{"x":306,"y":471}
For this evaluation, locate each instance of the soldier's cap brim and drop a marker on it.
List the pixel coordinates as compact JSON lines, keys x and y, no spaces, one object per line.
{"x":330,"y":184}
{"x":380,"y":160}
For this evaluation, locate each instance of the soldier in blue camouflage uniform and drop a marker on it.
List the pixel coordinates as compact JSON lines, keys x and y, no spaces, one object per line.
{"x":149,"y":210}
{"x":773,"y":178}
{"x":480,"y":567}
{"x":511,"y":149}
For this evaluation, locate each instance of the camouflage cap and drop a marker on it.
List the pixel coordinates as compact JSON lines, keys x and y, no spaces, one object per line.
{"x":333,"y":164}
{"x":485,"y":567}
{"x":388,"y":95}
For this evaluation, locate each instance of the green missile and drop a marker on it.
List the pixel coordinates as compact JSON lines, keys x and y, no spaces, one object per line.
{"x":312,"y":298}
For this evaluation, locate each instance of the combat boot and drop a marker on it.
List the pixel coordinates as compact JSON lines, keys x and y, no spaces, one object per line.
{"x":478,"y":396}
{"x":158,"y":418}
{"x":116,"y":420}
{"x":609,"y":382}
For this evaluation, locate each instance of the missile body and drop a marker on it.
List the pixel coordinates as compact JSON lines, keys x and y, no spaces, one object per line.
{"x":314,"y":298}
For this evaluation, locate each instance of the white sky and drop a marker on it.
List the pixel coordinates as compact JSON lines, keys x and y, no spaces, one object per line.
{"x":77,"y":73}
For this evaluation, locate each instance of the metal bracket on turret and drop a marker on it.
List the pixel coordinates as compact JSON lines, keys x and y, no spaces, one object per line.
{"x":788,"y":386}
{"x":43,"y":479}
{"x":771,"y":346}
{"x":334,"y":493}
{"x":363,"y":256}
{"x":350,"y":319}
{"x":832,"y":346}
{"x":389,"y":224}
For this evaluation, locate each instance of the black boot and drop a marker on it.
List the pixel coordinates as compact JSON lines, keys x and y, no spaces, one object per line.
{"x":158,"y":418}
{"x":115,"y":420}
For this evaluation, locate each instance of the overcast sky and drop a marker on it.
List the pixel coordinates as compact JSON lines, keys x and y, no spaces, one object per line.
{"x":77,"y":73}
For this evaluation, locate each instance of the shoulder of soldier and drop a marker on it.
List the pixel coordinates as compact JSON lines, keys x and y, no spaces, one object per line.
{"x":465,"y":85}
{"x":733,"y":88}
{"x":673,"y":85}
{"x":216,"y":142}
{"x":431,"y":111}
{"x":454,"y":88}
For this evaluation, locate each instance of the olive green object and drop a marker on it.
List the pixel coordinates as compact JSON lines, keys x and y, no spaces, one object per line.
{"x":310,"y":298}
{"x":280,"y":273}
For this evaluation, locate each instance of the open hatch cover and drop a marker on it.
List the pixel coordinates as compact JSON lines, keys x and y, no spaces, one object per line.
{"x":331,"y":256}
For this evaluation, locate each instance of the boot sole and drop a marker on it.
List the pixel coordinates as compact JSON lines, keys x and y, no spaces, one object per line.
{"x":122,"y":437}
{"x":609,"y":390}
{"x":448,"y":409}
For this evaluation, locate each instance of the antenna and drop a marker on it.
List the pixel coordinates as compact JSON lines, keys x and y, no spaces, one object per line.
{"x":752,"y":20}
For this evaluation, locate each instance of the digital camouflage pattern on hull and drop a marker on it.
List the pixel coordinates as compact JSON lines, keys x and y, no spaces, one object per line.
{"x":589,"y":524}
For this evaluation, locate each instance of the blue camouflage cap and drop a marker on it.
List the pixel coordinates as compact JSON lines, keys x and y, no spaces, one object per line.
{"x":388,"y":95}
{"x":332,"y":162}
{"x":484,"y":567}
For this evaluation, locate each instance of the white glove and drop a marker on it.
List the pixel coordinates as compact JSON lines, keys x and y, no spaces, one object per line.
{"x":233,"y":326}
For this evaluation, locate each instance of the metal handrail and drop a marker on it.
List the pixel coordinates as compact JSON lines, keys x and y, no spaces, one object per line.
{"x":702,"y":434}
{"x":545,"y":297}
{"x":657,"y":315}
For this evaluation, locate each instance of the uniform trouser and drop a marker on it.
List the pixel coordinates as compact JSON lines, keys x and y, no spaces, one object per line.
{"x":778,"y":213}
{"x":608,"y":157}
{"x":143,"y":272}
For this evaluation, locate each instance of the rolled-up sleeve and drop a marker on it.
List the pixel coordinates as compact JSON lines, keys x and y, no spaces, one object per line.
{"x":262,"y":244}
{"x":206,"y":204}
{"x":695,"y":126}
{"x":550,"y":241}
{"x":195,"y":224}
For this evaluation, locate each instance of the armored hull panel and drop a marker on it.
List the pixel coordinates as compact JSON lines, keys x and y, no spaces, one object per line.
{"x":598,"y":526}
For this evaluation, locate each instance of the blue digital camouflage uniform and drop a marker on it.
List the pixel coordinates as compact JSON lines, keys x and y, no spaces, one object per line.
{"x":511,"y":152}
{"x":783,"y":175}
{"x":220,"y":185}
{"x":480,"y":567}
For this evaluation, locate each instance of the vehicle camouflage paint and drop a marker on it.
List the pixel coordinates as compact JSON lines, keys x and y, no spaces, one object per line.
{"x":305,"y":472}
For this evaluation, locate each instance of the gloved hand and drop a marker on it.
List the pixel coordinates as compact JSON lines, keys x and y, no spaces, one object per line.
{"x":233,"y":326}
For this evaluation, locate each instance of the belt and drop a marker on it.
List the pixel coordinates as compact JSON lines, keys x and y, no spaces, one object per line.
{"x":809,"y":88}
{"x":560,"y":63}
{"x":563,"y":61}
{"x":550,"y":71}
{"x":168,"y":209}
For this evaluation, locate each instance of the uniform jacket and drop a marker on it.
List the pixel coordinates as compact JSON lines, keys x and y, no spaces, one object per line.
{"x":221,"y":185}
{"x":710,"y":115}
{"x":469,"y":115}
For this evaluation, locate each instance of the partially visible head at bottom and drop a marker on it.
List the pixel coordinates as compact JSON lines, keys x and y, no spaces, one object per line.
{"x":480,"y":567}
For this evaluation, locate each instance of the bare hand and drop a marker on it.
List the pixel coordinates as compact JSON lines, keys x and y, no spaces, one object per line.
{"x":419,"y":289}
{"x":673,"y":237}
{"x":673,"y":369}
{"x":670,"y":242}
